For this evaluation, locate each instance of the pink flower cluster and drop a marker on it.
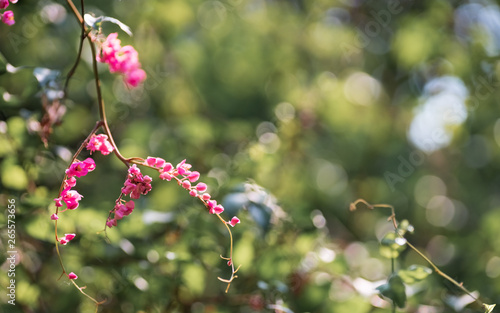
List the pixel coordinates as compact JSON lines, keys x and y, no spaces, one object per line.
{"x":135,"y":185}
{"x":68,"y":196}
{"x":7,"y":17}
{"x":123,"y":60}
{"x":100,"y":143}
{"x":185,"y":177}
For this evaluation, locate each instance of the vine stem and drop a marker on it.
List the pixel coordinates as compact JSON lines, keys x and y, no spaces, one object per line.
{"x":436,"y":269}
{"x":79,"y":54}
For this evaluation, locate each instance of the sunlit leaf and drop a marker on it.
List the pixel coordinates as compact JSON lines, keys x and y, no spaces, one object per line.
{"x":414,"y":274}
{"x":95,"y":22}
{"x":392,"y":245}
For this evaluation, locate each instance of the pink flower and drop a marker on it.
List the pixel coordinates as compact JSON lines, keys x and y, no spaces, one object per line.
{"x":123,"y":60}
{"x":167,"y":167}
{"x":201,"y":187}
{"x":109,"y":49}
{"x":111,"y":223}
{"x":72,"y":276}
{"x":218,"y":209}
{"x":186,"y":184}
{"x":58,"y":202}
{"x":8,"y":18}
{"x":127,"y":60}
{"x":194,"y":176}
{"x":211,"y":204}
{"x":135,"y":77}
{"x":13,"y":1}
{"x":80,"y":169}
{"x":122,"y":210}
{"x":71,"y":198}
{"x":183,"y":168}
{"x":234,"y":221}
{"x":69,"y":237}
{"x":206,"y":196}
{"x":70,"y":182}
{"x":100,"y":143}
{"x":193,"y":193}
{"x":54,"y":217}
{"x":4,"y":4}
{"x":136,"y":184}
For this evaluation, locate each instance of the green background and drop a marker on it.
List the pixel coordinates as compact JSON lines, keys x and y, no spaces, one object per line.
{"x":313,"y":101}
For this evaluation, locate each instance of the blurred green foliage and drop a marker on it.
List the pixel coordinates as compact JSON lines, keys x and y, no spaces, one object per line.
{"x":312,"y":100}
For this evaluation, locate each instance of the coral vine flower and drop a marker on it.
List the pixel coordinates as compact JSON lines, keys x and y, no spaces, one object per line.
{"x":100,"y":143}
{"x":67,"y":238}
{"x":136,"y":184}
{"x":71,"y":198}
{"x":123,"y":60}
{"x":72,"y":276}
{"x":8,"y":18}
{"x":4,"y":4}
{"x":54,"y":217}
{"x":80,"y":169}
{"x":234,"y":221}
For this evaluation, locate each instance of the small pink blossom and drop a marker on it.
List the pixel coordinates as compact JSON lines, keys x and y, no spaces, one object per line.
{"x":229,"y":263}
{"x":13,"y":1}
{"x":167,"y":167}
{"x":193,"y":193}
{"x":201,"y":187}
{"x":111,"y":223}
{"x":100,"y":143}
{"x":211,"y":204}
{"x":58,"y":202}
{"x":166,"y":176}
{"x":80,"y":169}
{"x":72,"y":276}
{"x":194,"y":176}
{"x":8,"y":18}
{"x":4,"y":4}
{"x":70,"y":182}
{"x":206,"y":196}
{"x":135,"y":77}
{"x":234,"y":221}
{"x":122,"y":210}
{"x":69,"y":237}
{"x":217,"y":209}
{"x":186,"y":184}
{"x":54,"y":217}
{"x":183,"y":168}
{"x":71,"y":198}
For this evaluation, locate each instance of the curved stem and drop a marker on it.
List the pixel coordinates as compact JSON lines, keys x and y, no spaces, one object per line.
{"x":423,"y":256}
{"x":79,"y":54}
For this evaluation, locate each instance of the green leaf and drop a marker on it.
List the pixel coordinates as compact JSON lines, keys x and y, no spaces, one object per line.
{"x":392,"y":245}
{"x":95,"y":22}
{"x":414,"y":274}
{"x":395,"y":290}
